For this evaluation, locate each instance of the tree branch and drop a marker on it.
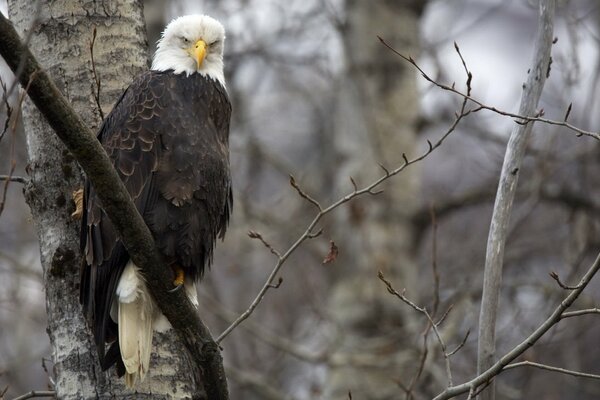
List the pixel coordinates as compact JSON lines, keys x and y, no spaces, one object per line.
{"x":507,"y":186}
{"x":12,"y":178}
{"x":117,"y":203}
{"x":551,"y":368}
{"x":36,"y":393}
{"x":559,"y":313}
{"x":519,"y":118}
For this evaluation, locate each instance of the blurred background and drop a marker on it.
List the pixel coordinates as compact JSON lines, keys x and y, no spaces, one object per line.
{"x":316,"y":95}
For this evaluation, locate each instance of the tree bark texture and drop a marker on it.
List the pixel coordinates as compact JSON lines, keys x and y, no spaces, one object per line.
{"x":375,"y":124}
{"x":60,"y":33}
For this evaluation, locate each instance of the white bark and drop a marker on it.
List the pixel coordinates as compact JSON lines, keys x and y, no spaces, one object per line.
{"x":60,"y":39}
{"x":506,"y":191}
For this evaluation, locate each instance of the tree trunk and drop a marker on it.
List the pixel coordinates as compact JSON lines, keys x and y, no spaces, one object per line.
{"x":60,"y":36}
{"x":375,"y":123}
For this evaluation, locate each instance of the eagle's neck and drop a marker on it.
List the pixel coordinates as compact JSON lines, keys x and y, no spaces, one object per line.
{"x":166,"y":59}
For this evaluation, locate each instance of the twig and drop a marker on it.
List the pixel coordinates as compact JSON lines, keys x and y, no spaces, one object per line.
{"x":471,"y":393}
{"x":482,"y":106}
{"x":9,"y":109}
{"x":445,"y":314}
{"x":96,"y":93}
{"x":461,"y":345}
{"x":36,"y":393}
{"x":303,"y":194}
{"x":551,"y":368}
{"x":555,"y":276}
{"x":257,"y":235}
{"x":425,"y":352}
{"x":423,"y":311}
{"x":507,"y":186}
{"x":13,"y":130}
{"x":553,"y":319}
{"x":469,"y":74}
{"x":436,"y":275}
{"x":578,"y":313}
{"x":16,"y":179}
{"x":276,"y":285}
{"x":52,"y":383}
{"x":20,"y":68}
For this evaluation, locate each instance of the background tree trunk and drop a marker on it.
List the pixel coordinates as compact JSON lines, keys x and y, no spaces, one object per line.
{"x":60,"y":35}
{"x":375,"y":123}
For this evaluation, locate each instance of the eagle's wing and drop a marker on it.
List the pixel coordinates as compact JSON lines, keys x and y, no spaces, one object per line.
{"x":167,"y":137}
{"x":130,"y":139}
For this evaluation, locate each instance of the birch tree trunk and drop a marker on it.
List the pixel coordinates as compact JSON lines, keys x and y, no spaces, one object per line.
{"x":375,"y":123}
{"x":60,"y":34}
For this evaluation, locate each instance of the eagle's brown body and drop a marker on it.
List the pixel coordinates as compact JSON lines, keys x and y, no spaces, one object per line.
{"x":167,"y":137}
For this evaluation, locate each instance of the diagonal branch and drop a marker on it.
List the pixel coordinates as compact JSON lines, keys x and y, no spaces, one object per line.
{"x":117,"y":203}
{"x":485,"y":377}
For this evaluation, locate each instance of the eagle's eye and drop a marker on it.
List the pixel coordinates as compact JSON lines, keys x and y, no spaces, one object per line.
{"x":185,"y":40}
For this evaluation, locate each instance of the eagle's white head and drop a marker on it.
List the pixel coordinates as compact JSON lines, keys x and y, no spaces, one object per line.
{"x":192,"y":43}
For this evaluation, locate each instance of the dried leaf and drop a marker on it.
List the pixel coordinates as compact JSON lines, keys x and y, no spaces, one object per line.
{"x":333,"y":253}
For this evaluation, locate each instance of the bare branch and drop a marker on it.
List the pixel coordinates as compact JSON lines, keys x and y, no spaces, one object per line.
{"x":424,"y":311}
{"x":354,"y":185}
{"x":443,"y":317}
{"x":553,"y":319}
{"x":555,"y":276}
{"x":9,"y":109}
{"x":13,"y":130}
{"x":579,"y":313}
{"x":97,"y":82}
{"x":36,"y":393}
{"x":303,"y":194}
{"x":551,"y":368}
{"x":436,"y":275}
{"x":16,"y":179}
{"x":461,"y":345}
{"x":519,"y":118}
{"x":568,"y":112}
{"x":499,"y":227}
{"x":257,"y":235}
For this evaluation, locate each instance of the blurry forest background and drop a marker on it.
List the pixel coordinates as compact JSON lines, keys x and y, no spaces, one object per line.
{"x":317,"y":96}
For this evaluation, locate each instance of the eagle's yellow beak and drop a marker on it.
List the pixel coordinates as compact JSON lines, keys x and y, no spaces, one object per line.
{"x":199,"y":52}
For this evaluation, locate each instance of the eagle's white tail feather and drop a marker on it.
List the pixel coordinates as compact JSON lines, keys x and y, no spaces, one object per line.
{"x":135,"y":319}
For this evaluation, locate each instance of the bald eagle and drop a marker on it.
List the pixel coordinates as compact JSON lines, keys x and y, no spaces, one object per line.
{"x":167,"y":137}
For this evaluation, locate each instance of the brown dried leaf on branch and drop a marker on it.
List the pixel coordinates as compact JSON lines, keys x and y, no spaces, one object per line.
{"x":333,"y":253}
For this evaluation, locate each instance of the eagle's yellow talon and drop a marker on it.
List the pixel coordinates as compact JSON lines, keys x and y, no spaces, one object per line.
{"x":179,"y":276}
{"x":78,"y":199}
